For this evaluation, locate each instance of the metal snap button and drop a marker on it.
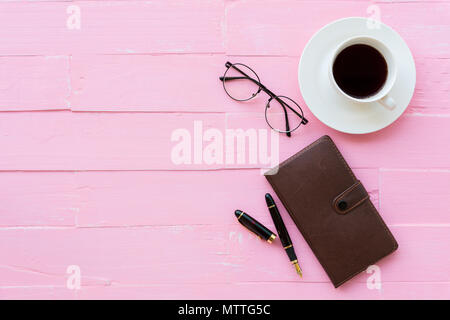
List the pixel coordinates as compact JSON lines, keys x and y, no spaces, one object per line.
{"x":342,"y":205}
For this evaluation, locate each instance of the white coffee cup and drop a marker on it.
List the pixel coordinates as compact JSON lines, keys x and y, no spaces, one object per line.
{"x":382,"y":95}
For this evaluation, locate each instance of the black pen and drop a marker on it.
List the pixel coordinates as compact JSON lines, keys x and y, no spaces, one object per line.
{"x":254,"y":226}
{"x":282,"y":232}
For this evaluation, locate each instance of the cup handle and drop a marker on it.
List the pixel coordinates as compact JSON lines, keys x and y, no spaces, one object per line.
{"x":388,"y":103}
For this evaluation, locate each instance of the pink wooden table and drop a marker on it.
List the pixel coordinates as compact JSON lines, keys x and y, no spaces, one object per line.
{"x":90,"y":95}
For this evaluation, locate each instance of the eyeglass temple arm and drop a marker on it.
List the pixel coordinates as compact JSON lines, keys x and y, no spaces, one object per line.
{"x":270,"y":93}
{"x":261,"y":87}
{"x":229,"y":64}
{"x":304,"y":120}
{"x":286,"y":119}
{"x":274,"y":96}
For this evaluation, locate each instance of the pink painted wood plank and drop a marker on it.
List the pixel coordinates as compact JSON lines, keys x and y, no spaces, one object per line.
{"x":142,"y":141}
{"x":432,"y":93}
{"x":168,"y":83}
{"x":415,"y":197}
{"x":252,"y":290}
{"x":38,"y":199}
{"x":413,"y":141}
{"x":31,"y":83}
{"x":137,"y":198}
{"x":34,"y":83}
{"x":188,"y":83}
{"x":284,"y":27}
{"x":112,"y":27}
{"x":418,"y":247}
{"x":196,"y":254}
{"x":37,"y":293}
{"x":112,"y":255}
{"x":168,"y":198}
{"x":96,"y":141}
{"x":12,"y":276}
{"x":162,"y":198}
{"x":271,"y":290}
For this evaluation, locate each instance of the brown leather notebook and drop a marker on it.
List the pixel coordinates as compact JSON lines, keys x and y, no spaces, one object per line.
{"x":332,"y":210}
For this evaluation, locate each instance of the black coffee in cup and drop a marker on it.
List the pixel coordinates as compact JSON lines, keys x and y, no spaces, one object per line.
{"x":360,"y":70}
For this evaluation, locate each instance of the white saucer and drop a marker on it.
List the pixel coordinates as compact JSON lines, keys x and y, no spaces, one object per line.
{"x":331,"y":107}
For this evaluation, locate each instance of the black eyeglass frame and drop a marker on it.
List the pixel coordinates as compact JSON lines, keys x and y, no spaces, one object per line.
{"x":271,"y":95}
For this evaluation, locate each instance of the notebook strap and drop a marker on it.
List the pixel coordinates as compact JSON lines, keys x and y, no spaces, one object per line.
{"x":350,"y":198}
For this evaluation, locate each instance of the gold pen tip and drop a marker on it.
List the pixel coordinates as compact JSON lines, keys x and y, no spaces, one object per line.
{"x":299,"y":271}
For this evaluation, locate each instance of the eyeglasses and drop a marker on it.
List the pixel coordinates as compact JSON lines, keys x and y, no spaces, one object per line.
{"x":282,"y":114}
